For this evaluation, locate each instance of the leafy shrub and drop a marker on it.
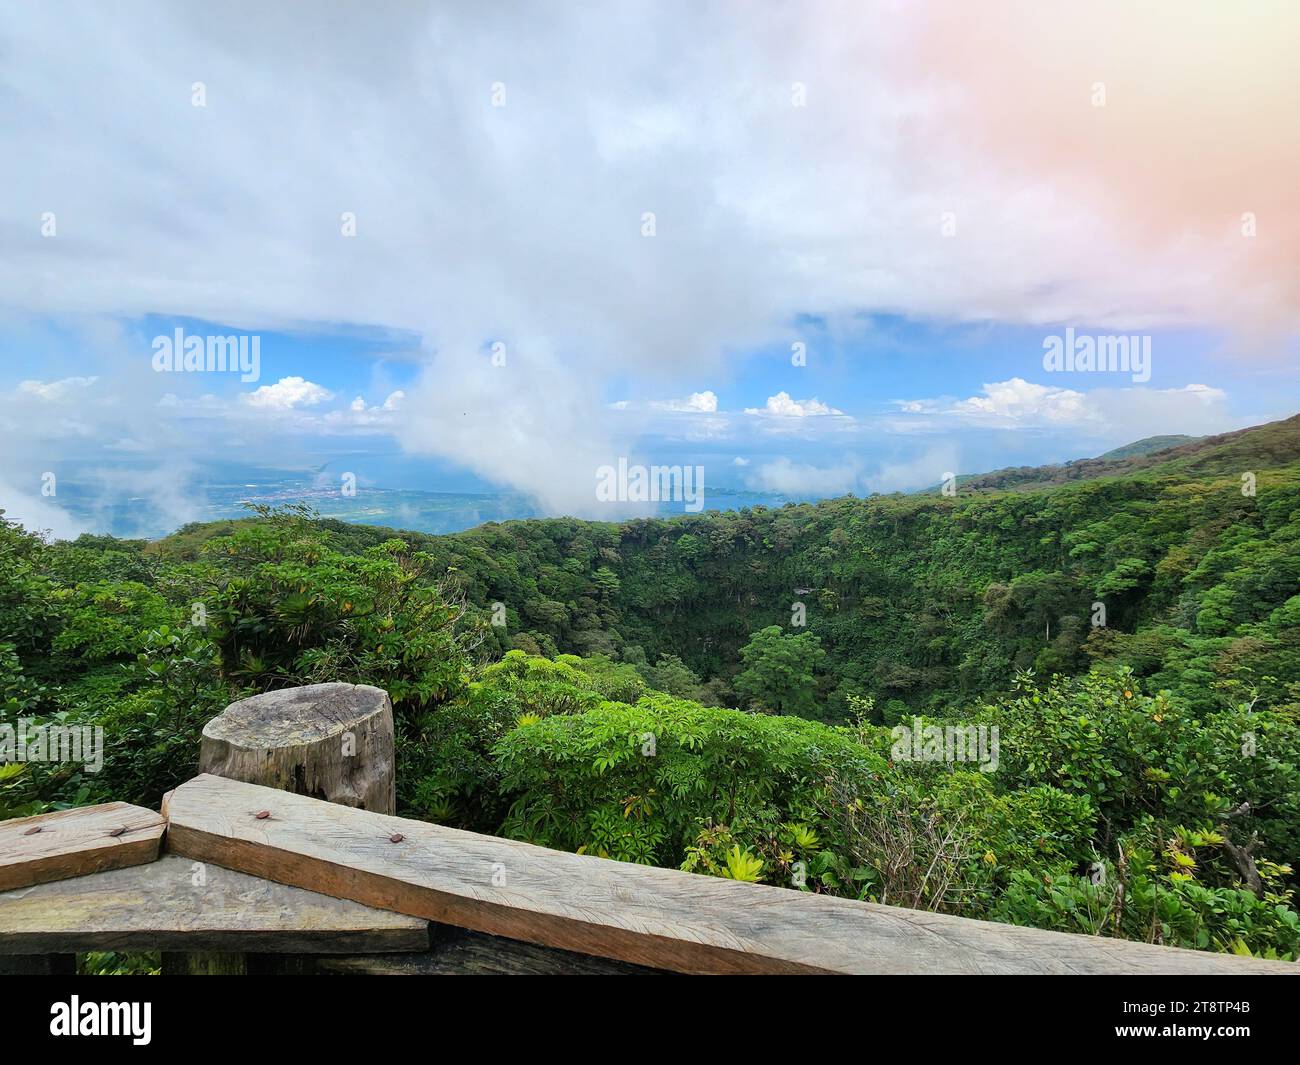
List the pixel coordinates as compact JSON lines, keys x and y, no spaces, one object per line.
{"x":667,"y":770}
{"x":286,"y":609}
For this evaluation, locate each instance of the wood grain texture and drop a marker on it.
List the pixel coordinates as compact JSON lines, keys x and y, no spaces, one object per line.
{"x":170,"y":905}
{"x":660,"y":918}
{"x":458,"y":952}
{"x":330,"y":741}
{"x":89,"y":839}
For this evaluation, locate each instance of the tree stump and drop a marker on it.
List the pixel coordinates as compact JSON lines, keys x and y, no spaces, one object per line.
{"x":328,"y":741}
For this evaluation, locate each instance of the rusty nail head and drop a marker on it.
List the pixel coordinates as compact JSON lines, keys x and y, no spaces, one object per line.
{"x":396,"y":837}
{"x":118,"y":831}
{"x":32,"y":831}
{"x":262,"y":815}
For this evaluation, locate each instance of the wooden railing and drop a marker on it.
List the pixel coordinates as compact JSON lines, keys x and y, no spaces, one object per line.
{"x":261,"y":879}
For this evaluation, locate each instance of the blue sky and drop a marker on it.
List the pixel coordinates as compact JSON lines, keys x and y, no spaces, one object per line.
{"x":645,"y":210}
{"x":849,"y":411}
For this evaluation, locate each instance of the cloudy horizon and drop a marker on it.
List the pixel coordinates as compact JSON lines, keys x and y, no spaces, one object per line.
{"x":815,"y":249}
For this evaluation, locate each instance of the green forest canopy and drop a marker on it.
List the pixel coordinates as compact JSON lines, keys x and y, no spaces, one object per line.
{"x":716,"y":692}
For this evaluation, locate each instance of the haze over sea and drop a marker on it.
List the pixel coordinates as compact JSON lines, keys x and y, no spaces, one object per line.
{"x":225,"y":493}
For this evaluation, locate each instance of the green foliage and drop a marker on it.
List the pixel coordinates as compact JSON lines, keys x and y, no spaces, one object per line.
{"x":1134,"y":755}
{"x":109,"y":634}
{"x":1154,"y":909}
{"x":153,"y":730}
{"x":921,"y":600}
{"x":781,"y":672}
{"x":947,"y":841}
{"x":1086,"y":765}
{"x":1147,"y":783}
{"x":666,"y":770}
{"x":741,"y":865}
{"x":673,"y":676}
{"x":113,"y":963}
{"x":285,"y":608}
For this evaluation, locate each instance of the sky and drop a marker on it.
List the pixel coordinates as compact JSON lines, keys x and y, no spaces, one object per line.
{"x":811,"y":248}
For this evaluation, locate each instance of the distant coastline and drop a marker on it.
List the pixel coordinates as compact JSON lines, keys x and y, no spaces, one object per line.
{"x":399,"y":508}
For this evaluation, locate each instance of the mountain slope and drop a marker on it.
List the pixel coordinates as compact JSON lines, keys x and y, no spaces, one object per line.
{"x":925,"y":601}
{"x":1259,"y":447}
{"x":1147,"y":445}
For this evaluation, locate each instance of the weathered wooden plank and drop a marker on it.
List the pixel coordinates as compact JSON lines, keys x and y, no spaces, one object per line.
{"x":660,"y":918}
{"x":458,"y":952}
{"x":89,"y":839}
{"x":178,"y":905}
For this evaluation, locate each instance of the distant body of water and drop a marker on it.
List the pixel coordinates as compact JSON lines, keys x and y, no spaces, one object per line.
{"x":152,"y":516}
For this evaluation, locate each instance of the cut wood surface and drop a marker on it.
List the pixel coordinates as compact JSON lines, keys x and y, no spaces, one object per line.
{"x":330,"y":741}
{"x":35,"y":850}
{"x":660,"y":918}
{"x":176,"y":904}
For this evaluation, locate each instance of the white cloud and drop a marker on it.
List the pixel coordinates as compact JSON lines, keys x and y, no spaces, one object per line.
{"x":852,"y":474}
{"x":695,"y":403}
{"x":358,"y":418}
{"x":764,"y":211}
{"x":288,"y":393}
{"x":36,"y":514}
{"x":782,"y":406}
{"x":1204,"y":393}
{"x":1018,"y":399}
{"x":759,"y":204}
{"x":920,"y":471}
{"x":1195,"y":409}
{"x":56,"y":390}
{"x":527,"y":425}
{"x":1017,"y":403}
{"x":130,"y":446}
{"x":801,"y":479}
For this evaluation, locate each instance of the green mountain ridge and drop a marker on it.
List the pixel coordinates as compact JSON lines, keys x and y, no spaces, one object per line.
{"x":1271,"y":445}
{"x":1262,"y":445}
{"x":1146,"y":446}
{"x":921,"y":601}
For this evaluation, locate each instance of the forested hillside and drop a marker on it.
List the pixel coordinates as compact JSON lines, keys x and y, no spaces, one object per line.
{"x":717,"y":692}
{"x":921,"y":602}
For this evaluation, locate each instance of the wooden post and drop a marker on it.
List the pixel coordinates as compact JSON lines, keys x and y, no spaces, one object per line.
{"x":327,"y":741}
